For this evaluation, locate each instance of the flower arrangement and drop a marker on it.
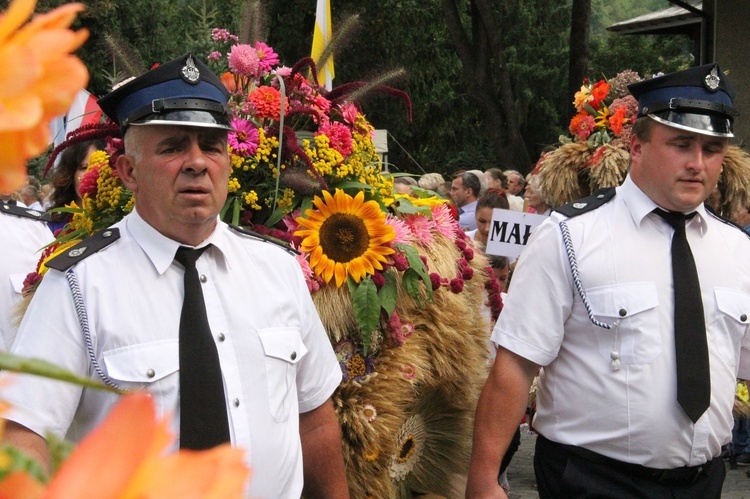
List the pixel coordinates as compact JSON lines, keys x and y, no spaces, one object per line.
{"x":605,"y":110}
{"x":292,"y":139}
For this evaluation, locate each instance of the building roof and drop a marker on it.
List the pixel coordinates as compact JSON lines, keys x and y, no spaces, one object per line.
{"x":675,"y":19}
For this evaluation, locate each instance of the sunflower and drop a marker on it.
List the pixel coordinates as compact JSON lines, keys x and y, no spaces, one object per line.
{"x":345,"y":236}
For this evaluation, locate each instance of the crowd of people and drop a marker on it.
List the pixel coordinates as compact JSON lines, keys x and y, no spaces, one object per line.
{"x":617,"y":415}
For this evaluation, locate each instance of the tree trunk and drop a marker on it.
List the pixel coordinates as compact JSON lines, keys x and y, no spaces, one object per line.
{"x":578,"y":64}
{"x":485,"y":75}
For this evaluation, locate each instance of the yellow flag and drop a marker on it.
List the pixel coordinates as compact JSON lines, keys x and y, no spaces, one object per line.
{"x":321,"y":38}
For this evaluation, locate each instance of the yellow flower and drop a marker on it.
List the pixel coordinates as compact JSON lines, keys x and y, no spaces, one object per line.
{"x":742,"y":393}
{"x":38,"y":81}
{"x":345,"y":236}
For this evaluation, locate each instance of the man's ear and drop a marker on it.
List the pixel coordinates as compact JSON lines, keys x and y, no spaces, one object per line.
{"x":125,"y":167}
{"x":636,"y":145}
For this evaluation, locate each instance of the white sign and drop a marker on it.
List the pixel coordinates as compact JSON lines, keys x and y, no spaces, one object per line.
{"x":510,"y":231}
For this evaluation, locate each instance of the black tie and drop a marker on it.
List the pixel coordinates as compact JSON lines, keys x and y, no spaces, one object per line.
{"x":693,"y":376}
{"x":203,"y":412}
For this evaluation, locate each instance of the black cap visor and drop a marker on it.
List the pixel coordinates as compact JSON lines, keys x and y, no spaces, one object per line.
{"x":703,"y":123}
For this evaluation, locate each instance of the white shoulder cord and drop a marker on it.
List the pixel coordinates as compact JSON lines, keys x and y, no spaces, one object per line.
{"x":84,"y":322}
{"x":615,"y":354}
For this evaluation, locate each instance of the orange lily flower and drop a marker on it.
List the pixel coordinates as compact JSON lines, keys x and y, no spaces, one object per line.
{"x":39,"y":80}
{"x":125,"y":457}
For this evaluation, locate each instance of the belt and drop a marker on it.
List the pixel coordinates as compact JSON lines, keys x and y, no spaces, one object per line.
{"x":677,"y":476}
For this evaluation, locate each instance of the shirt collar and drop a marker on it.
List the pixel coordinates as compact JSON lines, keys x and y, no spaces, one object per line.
{"x":640,"y":205}
{"x":161,"y":249}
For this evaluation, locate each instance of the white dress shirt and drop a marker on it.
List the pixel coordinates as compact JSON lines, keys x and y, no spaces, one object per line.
{"x":275,"y":356}
{"x":23,"y":240}
{"x":624,"y":259}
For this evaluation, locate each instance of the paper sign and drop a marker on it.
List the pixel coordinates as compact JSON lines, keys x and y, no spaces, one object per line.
{"x":510,"y":231}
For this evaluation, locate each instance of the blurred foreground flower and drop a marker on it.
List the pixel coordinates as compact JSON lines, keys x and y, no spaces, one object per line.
{"x":39,"y":79}
{"x":125,"y":457}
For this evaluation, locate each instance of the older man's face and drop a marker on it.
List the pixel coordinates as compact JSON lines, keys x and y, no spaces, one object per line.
{"x":180,"y":179}
{"x":515,"y":184}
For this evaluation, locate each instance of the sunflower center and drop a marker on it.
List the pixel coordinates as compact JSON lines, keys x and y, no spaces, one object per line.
{"x":344,"y":237}
{"x":407,"y":449}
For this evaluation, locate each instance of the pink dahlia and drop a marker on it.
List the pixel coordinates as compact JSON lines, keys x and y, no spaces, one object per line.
{"x":267,"y":58}
{"x":403,"y":234}
{"x":421,"y":228}
{"x":243,"y":60}
{"x":266,"y":102}
{"x":244,"y":139}
{"x":349,"y":111}
{"x":339,"y":135}
{"x":445,"y":224}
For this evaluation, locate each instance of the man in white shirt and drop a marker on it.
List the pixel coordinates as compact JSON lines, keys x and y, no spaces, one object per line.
{"x":270,"y":354}
{"x":26,"y":234}
{"x":610,"y":416}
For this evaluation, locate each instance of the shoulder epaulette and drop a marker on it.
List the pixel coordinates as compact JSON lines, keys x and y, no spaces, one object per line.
{"x":592,"y":202}
{"x":265,"y":239}
{"x":87,"y":247}
{"x":725,"y":220}
{"x":24,"y":212}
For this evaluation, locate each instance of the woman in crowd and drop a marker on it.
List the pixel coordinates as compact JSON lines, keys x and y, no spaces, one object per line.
{"x":73,"y":163}
{"x":488,"y":201}
{"x":534,"y":198}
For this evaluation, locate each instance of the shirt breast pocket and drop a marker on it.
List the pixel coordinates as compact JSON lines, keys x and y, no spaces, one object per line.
{"x":730,"y":323}
{"x":152,"y":366}
{"x":631,"y":311}
{"x":283,"y":349}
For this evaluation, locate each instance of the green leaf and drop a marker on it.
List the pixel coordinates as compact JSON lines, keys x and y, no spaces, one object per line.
{"x":389,"y":292}
{"x":416,"y":263}
{"x":410,"y":282}
{"x":10,"y":362}
{"x":274,"y":217}
{"x":227,"y":205}
{"x":366,"y":310}
{"x":236,"y":212}
{"x":352,"y":184}
{"x":307,"y":204}
{"x":59,"y":450}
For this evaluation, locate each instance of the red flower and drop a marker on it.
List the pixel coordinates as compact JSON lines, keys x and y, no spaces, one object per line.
{"x":617,"y":119}
{"x":599,"y":93}
{"x":267,"y":102}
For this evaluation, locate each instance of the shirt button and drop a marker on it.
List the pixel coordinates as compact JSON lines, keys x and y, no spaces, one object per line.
{"x":293,"y":356}
{"x":236,"y":402}
{"x":204,"y":278}
{"x":150,"y":373}
{"x":222,"y":337}
{"x":743,"y":318}
{"x":623,"y":312}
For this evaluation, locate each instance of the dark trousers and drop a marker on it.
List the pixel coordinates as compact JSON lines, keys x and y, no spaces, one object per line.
{"x":564,"y":471}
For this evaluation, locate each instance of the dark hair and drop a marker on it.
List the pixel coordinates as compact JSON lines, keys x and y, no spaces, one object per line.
{"x":498,"y":262}
{"x":64,"y":179}
{"x":471,"y":181}
{"x":642,"y":128}
{"x":497,"y":174}
{"x":493,"y":198}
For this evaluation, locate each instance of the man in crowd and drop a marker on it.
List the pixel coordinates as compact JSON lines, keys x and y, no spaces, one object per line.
{"x":640,"y":348}
{"x":516,"y":182}
{"x":216,"y":324}
{"x":464,"y":193}
{"x":25,"y":234}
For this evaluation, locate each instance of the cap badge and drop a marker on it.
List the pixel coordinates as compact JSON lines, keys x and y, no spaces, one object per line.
{"x":190,"y":73}
{"x":712,"y":80}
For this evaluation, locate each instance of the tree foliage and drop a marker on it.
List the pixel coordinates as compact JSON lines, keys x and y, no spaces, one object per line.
{"x":469,"y":110}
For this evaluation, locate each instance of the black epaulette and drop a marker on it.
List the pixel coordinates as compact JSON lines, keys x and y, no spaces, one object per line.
{"x":592,"y":202}
{"x":266,"y":239}
{"x":85,"y":248}
{"x":24,"y":212}
{"x":725,"y":220}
